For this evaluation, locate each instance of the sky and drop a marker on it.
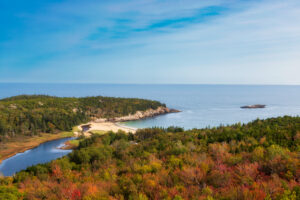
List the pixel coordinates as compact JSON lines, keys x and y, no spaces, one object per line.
{"x":150,"y":41}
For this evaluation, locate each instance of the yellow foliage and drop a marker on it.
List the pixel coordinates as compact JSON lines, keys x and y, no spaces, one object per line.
{"x":145,"y":169}
{"x":207,"y":191}
{"x":175,"y":162}
{"x":204,"y":166}
{"x":155,"y":166}
{"x":258,"y":154}
{"x":150,"y":183}
{"x":142,"y":197}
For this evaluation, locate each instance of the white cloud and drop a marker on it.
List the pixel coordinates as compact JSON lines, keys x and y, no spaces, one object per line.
{"x":254,"y":42}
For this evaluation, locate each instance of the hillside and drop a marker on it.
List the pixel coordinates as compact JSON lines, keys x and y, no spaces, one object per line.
{"x":259,"y":160}
{"x":32,"y":114}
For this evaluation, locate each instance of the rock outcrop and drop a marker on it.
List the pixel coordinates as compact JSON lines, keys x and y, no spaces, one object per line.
{"x":254,"y":106}
{"x":139,"y":115}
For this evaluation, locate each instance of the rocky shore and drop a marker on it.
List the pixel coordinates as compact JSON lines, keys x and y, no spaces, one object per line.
{"x":139,"y":115}
{"x":112,"y":124}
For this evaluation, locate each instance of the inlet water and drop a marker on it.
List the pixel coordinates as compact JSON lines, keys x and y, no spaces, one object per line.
{"x":42,"y":154}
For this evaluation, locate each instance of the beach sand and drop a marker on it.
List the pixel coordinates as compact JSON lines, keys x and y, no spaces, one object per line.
{"x":106,"y":126}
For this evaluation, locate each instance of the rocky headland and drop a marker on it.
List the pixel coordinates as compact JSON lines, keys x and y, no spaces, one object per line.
{"x":111,"y":124}
{"x":139,"y":115}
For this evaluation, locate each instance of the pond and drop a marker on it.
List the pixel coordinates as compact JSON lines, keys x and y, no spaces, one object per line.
{"x":44,"y":153}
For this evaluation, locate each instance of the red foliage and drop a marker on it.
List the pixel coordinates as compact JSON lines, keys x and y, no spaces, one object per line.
{"x":76,"y":194}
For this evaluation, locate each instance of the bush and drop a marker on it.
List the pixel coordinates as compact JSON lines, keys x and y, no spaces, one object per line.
{"x":9,"y":193}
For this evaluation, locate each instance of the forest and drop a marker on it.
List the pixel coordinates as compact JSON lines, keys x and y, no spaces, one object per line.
{"x":33,"y":114}
{"x":259,"y":160}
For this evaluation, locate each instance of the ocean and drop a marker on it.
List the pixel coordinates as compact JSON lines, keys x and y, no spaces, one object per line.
{"x":200,"y":105}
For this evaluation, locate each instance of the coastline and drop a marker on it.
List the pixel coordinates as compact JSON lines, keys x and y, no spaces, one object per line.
{"x":125,"y":126}
{"x":138,"y":115}
{"x":105,"y":127}
{"x":102,"y":124}
{"x":113,"y":124}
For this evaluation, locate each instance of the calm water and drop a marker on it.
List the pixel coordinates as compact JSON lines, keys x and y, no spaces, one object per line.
{"x":44,"y":153}
{"x":201,"y":105}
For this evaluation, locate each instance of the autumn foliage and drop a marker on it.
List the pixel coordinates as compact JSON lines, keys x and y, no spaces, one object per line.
{"x":258,"y":161}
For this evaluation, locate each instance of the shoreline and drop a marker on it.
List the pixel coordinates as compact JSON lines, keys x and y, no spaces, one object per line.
{"x":114,"y":124}
{"x":138,"y":115}
{"x":102,"y":124}
{"x":125,"y":126}
{"x":105,"y":127}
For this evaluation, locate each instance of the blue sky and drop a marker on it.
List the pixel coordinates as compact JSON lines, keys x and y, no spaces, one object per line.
{"x":150,"y":41}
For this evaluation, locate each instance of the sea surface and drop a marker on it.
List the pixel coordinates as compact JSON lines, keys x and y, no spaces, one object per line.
{"x":201,"y":105}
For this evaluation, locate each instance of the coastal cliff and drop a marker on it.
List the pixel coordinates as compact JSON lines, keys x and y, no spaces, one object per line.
{"x":139,"y":115}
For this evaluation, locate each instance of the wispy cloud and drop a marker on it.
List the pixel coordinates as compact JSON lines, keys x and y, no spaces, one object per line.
{"x":208,"y":41}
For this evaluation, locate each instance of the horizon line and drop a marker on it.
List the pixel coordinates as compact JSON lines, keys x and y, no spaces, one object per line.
{"x":99,"y":83}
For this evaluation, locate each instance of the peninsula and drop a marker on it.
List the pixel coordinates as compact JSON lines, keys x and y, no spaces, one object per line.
{"x":29,"y":120}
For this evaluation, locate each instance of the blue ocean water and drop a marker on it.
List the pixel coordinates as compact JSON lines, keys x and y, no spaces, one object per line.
{"x":201,"y":105}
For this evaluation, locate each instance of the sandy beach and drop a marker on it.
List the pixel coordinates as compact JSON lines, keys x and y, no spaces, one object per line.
{"x":106,"y":126}
{"x":113,"y":124}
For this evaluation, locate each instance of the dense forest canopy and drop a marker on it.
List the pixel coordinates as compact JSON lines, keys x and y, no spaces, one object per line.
{"x":31,"y":114}
{"x":259,"y":160}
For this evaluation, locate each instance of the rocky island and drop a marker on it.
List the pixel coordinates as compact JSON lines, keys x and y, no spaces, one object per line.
{"x":253,"y":106}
